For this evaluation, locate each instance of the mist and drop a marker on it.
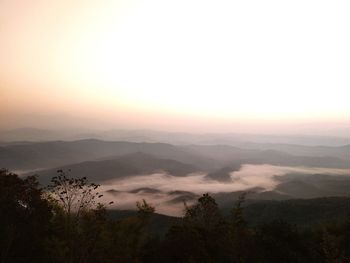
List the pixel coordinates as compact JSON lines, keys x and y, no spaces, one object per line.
{"x":159,"y":189}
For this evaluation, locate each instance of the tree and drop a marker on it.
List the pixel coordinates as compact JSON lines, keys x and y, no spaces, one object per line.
{"x":205,"y":213}
{"x":279,"y":241}
{"x":238,"y":220}
{"x":201,"y":237}
{"x":24,"y":219}
{"x":241,"y":237}
{"x":144,"y":209}
{"x":330,"y":250}
{"x":74,"y":195}
{"x":79,"y":217}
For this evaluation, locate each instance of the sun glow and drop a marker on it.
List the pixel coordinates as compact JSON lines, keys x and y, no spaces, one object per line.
{"x":228,"y":59}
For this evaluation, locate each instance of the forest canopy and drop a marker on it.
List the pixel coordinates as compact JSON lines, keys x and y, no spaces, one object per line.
{"x":65,"y":222}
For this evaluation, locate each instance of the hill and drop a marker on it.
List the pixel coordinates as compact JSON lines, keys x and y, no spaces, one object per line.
{"x":44,"y":155}
{"x":233,"y":156}
{"x":30,"y":156}
{"x":302,"y":212}
{"x":127,"y":165}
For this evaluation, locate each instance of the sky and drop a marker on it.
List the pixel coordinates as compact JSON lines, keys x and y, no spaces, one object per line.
{"x":175,"y":65}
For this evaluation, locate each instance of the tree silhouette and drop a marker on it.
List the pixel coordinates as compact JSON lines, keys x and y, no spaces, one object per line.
{"x":74,"y":195}
{"x":144,"y":209}
{"x":205,"y":213}
{"x":24,"y":219}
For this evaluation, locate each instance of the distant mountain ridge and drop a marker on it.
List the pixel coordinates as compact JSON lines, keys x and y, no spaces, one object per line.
{"x":241,"y":140}
{"x":127,"y":165}
{"x":57,"y":153}
{"x":45,"y":155}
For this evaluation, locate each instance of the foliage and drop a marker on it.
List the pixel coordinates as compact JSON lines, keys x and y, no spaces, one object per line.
{"x":204,"y":213}
{"x":74,"y":195}
{"x":70,"y":225}
{"x":24,"y":219}
{"x":144,"y":209}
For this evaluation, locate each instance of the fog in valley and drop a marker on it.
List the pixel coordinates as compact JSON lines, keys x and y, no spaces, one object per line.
{"x":174,"y":131}
{"x":168,"y":193}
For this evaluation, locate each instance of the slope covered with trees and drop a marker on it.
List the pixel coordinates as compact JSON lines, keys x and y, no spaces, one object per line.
{"x":66,"y":223}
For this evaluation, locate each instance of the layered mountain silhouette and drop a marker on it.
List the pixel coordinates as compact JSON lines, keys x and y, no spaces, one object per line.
{"x":43,"y":155}
{"x":128,"y":165}
{"x":103,"y":161}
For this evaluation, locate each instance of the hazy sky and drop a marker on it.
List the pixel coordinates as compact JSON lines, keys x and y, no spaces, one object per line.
{"x":174,"y":64}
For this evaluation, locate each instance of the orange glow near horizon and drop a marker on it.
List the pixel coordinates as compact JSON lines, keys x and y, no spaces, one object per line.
{"x":167,"y":64}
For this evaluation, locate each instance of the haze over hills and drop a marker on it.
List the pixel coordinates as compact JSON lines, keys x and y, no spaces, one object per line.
{"x":53,"y":154}
{"x":243,"y":140}
{"x":174,"y":131}
{"x":127,"y":165}
{"x":57,"y":153}
{"x":169,"y":174}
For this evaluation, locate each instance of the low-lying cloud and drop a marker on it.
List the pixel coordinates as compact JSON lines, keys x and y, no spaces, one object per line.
{"x":249,"y":176}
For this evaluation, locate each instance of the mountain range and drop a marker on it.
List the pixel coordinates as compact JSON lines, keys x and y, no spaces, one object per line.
{"x":309,"y":171}
{"x":44,"y":155}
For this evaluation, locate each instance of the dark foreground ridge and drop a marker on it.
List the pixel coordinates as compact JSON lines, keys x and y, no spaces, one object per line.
{"x":66,"y":223}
